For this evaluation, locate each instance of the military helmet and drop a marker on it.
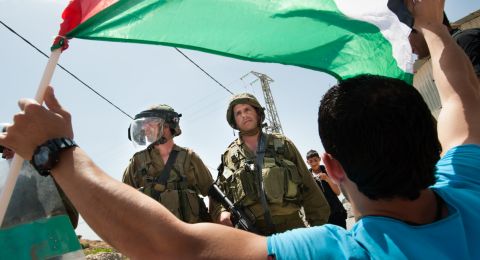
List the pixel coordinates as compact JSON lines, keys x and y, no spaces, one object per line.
{"x":140,"y":131}
{"x":244,"y":98}
{"x":165,"y":112}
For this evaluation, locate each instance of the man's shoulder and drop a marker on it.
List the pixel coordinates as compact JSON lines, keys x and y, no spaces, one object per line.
{"x":182,"y":149}
{"x":460,"y":162}
{"x":279,"y":138}
{"x":276,"y":135}
{"x":303,"y":243}
{"x":141,"y":153}
{"x":232,"y":146}
{"x":140,"y":158}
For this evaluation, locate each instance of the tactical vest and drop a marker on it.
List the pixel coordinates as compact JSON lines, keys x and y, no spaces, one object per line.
{"x":180,"y":194}
{"x":281,"y":178}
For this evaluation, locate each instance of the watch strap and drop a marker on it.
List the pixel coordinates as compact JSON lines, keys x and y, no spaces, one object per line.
{"x":52,"y":148}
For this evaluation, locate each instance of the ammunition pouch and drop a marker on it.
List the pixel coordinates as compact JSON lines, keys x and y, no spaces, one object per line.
{"x":185,"y":205}
{"x":282,"y":183}
{"x":274,"y":181}
{"x":293,"y":181}
{"x":242,"y":185}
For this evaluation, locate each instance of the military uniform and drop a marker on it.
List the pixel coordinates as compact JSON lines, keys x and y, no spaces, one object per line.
{"x":188,"y":178}
{"x":287,"y":183}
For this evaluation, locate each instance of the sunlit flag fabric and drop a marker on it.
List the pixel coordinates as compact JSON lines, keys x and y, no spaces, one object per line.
{"x":341,"y":37}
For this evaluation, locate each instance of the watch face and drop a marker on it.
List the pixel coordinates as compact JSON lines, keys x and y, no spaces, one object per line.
{"x":46,"y":155}
{"x":42,"y":157}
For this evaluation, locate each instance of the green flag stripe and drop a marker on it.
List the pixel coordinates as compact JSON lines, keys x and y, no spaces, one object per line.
{"x":41,"y":239}
{"x":310,"y":34}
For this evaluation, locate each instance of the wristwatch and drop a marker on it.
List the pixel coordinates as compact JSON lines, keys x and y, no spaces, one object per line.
{"x":46,"y":156}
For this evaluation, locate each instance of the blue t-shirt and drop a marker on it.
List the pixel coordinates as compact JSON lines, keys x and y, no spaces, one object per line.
{"x":454,"y":237}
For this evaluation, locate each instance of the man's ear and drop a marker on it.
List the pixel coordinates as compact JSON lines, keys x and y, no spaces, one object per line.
{"x":334,"y":168}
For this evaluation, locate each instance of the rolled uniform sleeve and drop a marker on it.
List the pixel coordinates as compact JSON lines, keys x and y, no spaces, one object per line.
{"x":203,"y":177}
{"x":222,"y":184}
{"x":203,"y":180}
{"x":314,"y":203}
{"x":128,"y":174}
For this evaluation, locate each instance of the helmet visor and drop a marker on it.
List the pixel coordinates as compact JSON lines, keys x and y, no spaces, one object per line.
{"x":145,"y":131}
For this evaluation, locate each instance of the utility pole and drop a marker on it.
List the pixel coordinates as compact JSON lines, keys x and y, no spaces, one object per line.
{"x":273,"y":121}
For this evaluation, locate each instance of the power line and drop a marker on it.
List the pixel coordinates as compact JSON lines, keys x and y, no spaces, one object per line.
{"x":92,"y":89}
{"x":67,"y":71}
{"x":228,"y":90}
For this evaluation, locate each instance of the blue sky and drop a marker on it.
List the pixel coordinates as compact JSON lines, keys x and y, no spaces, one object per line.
{"x":136,"y":76}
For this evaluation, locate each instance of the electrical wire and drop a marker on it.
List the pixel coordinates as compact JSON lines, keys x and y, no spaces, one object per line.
{"x":67,"y":71}
{"x":95,"y":91}
{"x":221,"y":85}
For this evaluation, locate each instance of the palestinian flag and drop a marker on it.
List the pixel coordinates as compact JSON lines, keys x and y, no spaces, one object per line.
{"x":341,"y":37}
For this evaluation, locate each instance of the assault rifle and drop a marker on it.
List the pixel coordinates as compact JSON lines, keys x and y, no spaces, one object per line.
{"x":239,"y":217}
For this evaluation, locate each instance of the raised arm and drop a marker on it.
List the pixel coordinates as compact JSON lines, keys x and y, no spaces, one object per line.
{"x":458,"y":86}
{"x":132,"y":222}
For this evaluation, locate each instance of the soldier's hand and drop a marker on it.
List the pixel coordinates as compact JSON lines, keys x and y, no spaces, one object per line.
{"x":224,"y":219}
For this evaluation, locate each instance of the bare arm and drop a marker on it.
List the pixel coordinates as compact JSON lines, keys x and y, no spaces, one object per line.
{"x":132,"y":222}
{"x":459,"y":88}
{"x":141,"y":227}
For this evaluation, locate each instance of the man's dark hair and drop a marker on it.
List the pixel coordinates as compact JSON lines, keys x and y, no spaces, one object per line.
{"x":312,"y":153}
{"x":382,"y":133}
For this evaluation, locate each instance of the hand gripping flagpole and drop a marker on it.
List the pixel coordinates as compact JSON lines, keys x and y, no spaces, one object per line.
{"x":17,"y":162}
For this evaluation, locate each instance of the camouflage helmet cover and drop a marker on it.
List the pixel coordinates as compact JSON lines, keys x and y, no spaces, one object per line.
{"x":244,"y":98}
{"x":165,"y":112}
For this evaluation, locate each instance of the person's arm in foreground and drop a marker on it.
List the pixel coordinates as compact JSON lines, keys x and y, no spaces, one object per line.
{"x":132,"y":222}
{"x":458,"y":86}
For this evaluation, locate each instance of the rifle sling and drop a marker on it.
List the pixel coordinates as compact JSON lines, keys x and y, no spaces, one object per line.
{"x":261,"y":189}
{"x":163,"y":178}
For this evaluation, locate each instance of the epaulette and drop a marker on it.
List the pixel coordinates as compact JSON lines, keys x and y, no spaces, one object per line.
{"x":232,"y":143}
{"x":143,"y":156}
{"x":139,"y":152}
{"x":278,"y":135}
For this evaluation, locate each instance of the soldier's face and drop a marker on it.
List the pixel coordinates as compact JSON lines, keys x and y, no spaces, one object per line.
{"x":151,"y":129}
{"x":246,"y":117}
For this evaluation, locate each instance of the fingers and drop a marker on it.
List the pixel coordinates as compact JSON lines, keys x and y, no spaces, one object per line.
{"x":52,"y":102}
{"x":54,"y":106}
{"x":25,"y":102}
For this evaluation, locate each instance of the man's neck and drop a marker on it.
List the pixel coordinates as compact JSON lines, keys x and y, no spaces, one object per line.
{"x":165,"y":149}
{"x":317,"y":170}
{"x":251,"y":141}
{"x":421,"y":211}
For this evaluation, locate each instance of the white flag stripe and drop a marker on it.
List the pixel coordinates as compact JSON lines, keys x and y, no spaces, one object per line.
{"x":376,"y":12}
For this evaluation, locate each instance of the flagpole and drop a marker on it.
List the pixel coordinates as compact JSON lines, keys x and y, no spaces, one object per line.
{"x":17,"y":162}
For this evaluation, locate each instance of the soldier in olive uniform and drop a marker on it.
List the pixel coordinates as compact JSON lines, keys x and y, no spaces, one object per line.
{"x":170,"y":174}
{"x":275,"y":197}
